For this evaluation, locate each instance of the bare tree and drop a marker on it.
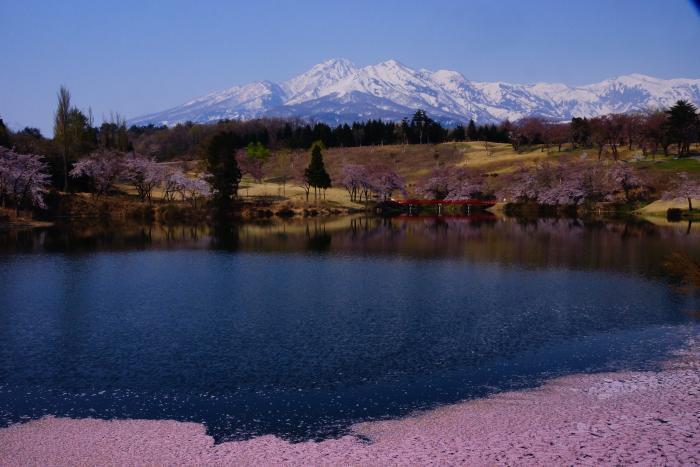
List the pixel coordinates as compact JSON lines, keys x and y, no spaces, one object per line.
{"x":655,"y":132}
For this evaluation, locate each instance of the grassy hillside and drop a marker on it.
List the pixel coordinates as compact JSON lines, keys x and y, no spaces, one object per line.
{"x":413,"y":162}
{"x":416,"y":161}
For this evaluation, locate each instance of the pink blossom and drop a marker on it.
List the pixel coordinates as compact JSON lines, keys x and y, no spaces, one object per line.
{"x":23,"y":178}
{"x":623,"y":175}
{"x":467,"y":185}
{"x":571,"y":183}
{"x":190,"y":189}
{"x":384,"y":182}
{"x":685,"y":187}
{"x":143,"y":173}
{"x":195,"y":188}
{"x":174,"y":182}
{"x":453,"y":184}
{"x":356,"y":180}
{"x":438,"y":184}
{"x":103,"y":168}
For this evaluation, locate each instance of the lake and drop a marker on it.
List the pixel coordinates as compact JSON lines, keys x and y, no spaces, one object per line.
{"x":302,"y":328}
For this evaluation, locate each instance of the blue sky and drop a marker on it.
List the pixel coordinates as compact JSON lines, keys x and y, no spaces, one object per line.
{"x":137,"y":57}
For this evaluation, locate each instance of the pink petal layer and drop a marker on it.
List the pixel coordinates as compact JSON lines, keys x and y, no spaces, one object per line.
{"x":648,"y":417}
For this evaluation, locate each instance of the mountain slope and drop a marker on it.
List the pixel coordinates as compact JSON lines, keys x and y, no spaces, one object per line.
{"x":337,"y":91}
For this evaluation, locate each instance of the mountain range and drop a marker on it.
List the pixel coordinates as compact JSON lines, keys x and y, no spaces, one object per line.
{"x":337,"y":91}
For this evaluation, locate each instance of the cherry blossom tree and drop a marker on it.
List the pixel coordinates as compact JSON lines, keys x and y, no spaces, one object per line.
{"x":546,"y":184}
{"x":176,"y":182}
{"x":356,"y":179}
{"x":438,"y":184}
{"x":385,"y":182}
{"x":572,"y":182}
{"x":196,"y":188}
{"x":171,"y":184}
{"x":144,"y":174}
{"x":454,"y":184}
{"x":526,"y":183}
{"x":593,"y":178}
{"x":623,"y":175}
{"x":23,"y":179}
{"x":471,"y":188}
{"x":467,"y":184}
{"x":685,"y":187}
{"x":562,"y":191}
{"x":103,"y":168}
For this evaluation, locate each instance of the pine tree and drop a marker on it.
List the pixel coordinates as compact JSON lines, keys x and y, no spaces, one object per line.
{"x":419,"y":122}
{"x":471,"y":131}
{"x":4,"y":135}
{"x":683,"y":121}
{"x":458,"y":134}
{"x":220,"y":152}
{"x":315,"y":174}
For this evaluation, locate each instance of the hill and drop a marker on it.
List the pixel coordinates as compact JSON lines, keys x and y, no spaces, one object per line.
{"x":414,"y":162}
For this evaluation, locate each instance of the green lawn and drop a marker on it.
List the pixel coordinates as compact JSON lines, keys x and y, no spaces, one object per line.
{"x":691,"y":166}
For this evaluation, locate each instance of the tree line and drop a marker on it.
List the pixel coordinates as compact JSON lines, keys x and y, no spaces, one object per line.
{"x":664,"y":131}
{"x":650,"y":132}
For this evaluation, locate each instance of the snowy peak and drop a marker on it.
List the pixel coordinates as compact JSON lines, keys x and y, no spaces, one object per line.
{"x":448,"y":77}
{"x":337,"y":91}
{"x":311,"y":84}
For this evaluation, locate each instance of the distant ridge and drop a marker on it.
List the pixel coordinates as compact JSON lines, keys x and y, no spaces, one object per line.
{"x":337,"y":91}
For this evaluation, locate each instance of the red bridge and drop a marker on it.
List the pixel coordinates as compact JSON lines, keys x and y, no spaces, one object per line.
{"x":443,"y":202}
{"x":479,"y":204}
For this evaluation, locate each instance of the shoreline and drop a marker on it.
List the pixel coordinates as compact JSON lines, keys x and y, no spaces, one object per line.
{"x":651,"y":417}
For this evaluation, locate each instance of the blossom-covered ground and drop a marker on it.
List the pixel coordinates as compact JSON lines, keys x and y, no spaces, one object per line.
{"x":620,"y":418}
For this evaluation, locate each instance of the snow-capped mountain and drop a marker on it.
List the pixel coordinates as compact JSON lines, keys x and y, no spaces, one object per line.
{"x":337,"y":91}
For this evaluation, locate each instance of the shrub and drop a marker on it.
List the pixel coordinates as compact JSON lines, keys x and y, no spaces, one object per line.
{"x":674,"y":214}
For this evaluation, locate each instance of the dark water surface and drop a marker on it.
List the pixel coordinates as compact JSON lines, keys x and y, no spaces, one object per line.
{"x":300,"y":329}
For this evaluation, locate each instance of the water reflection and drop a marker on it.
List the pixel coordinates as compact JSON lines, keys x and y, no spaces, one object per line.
{"x":637,"y":246}
{"x":301,"y":328}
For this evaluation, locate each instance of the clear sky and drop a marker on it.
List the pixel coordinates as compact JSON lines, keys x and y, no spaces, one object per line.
{"x":138,"y":57}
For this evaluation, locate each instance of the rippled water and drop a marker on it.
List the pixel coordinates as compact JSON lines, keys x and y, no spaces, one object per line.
{"x":303,"y":328}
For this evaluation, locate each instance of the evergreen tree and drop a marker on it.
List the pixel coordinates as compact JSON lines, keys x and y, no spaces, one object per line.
{"x":344,"y":136}
{"x":405,"y":131}
{"x":4,"y":135}
{"x":315,"y":174}
{"x":471,"y":131}
{"x":224,"y":174}
{"x":82,"y":136}
{"x":459,"y":133}
{"x":580,"y":131}
{"x":419,"y":122}
{"x":286,"y":134}
{"x":683,"y":121}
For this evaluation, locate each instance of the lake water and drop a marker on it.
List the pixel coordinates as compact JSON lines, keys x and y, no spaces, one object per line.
{"x":302,"y":328}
